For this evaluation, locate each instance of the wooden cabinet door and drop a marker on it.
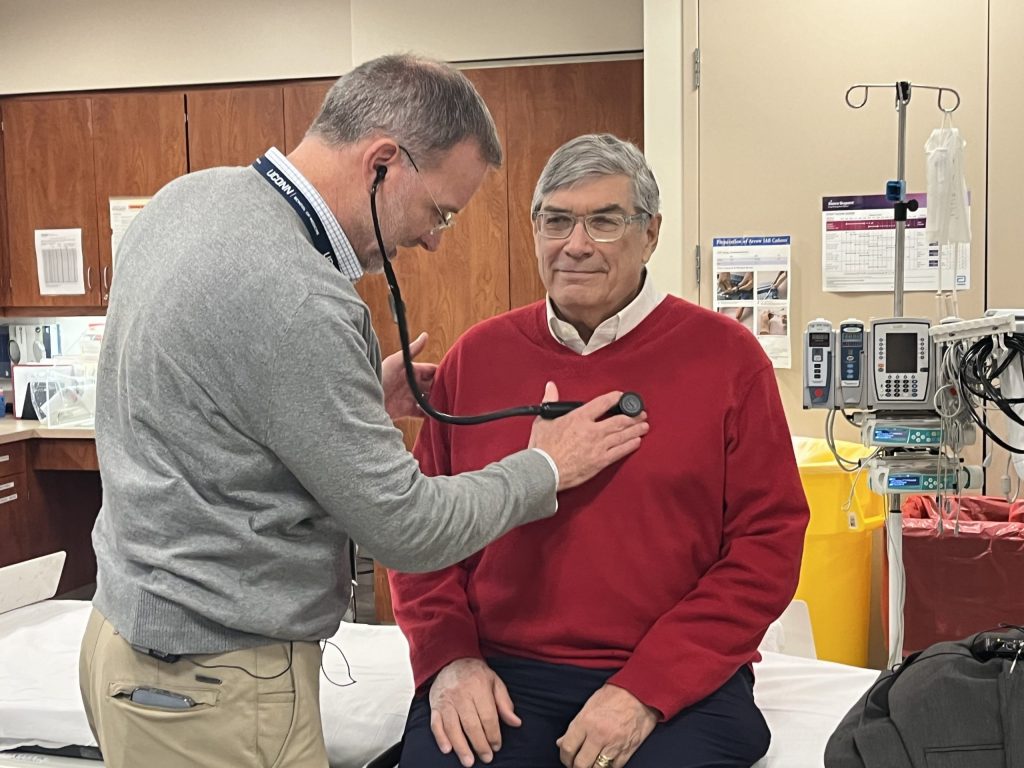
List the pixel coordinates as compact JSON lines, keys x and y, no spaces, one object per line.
{"x":5,"y":264}
{"x":51,"y":184}
{"x":552,"y":104}
{"x":233,"y":126}
{"x":139,"y":147}
{"x":301,"y":104}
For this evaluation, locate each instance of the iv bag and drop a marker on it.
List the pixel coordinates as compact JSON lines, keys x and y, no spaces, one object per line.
{"x":948,"y":217}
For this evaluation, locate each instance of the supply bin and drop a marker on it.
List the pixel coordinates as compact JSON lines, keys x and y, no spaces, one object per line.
{"x":963,"y":574}
{"x":835,"y":573}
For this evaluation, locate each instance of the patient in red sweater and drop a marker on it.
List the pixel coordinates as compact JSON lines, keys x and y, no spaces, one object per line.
{"x":621,"y":630}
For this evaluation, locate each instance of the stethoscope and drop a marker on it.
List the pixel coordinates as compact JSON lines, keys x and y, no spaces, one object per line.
{"x":629,"y":404}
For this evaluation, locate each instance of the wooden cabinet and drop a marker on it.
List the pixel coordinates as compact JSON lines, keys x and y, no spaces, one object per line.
{"x":302,"y":102}
{"x":64,"y":159}
{"x":233,"y":126}
{"x":139,"y":146}
{"x":5,"y":263}
{"x":50,"y":184}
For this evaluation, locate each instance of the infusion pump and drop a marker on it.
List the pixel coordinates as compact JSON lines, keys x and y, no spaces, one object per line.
{"x":884,"y":365}
{"x":900,"y":365}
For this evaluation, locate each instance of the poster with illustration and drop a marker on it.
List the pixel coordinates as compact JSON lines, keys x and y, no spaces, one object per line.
{"x":752,"y":287}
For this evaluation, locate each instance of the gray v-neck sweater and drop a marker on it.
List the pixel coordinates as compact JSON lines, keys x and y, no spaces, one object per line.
{"x":242,"y":435}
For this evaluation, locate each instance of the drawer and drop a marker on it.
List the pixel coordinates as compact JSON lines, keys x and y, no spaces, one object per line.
{"x":18,"y":535}
{"x":12,"y":491}
{"x":12,"y":459}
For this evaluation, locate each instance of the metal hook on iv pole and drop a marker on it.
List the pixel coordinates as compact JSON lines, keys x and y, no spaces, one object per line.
{"x":896,"y":191}
{"x":939,"y":99}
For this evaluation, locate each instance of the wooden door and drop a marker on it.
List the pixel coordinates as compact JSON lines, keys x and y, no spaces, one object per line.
{"x":233,"y":126}
{"x":139,"y":147}
{"x":51,"y":184}
{"x":301,"y":104}
{"x":552,"y":104}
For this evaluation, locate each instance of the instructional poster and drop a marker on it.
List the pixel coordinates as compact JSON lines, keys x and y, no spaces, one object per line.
{"x":753,"y":289}
{"x":858,"y":248}
{"x":123,"y":211}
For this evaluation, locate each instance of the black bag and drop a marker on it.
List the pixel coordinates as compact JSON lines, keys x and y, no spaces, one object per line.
{"x":952,"y":705}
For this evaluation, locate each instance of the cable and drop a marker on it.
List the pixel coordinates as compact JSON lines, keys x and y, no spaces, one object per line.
{"x":348,"y":667}
{"x":978,"y":372}
{"x":291,"y":653}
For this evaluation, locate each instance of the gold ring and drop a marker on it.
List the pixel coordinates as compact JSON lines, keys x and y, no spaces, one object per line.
{"x":603,"y":761}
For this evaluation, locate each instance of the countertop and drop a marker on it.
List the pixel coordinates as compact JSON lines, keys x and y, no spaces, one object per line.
{"x":12,"y":430}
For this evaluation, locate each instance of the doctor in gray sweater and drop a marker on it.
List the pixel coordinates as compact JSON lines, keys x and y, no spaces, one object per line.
{"x":244,"y":427}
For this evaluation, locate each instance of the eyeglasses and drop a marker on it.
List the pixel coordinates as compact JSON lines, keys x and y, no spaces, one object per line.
{"x":601,"y":227}
{"x":447,"y":218}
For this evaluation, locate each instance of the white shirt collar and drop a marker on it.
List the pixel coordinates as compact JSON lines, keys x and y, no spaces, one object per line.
{"x":612,"y":329}
{"x":347,"y":261}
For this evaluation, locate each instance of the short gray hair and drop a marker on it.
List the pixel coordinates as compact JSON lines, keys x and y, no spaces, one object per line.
{"x":599,"y":154}
{"x":428,"y":105}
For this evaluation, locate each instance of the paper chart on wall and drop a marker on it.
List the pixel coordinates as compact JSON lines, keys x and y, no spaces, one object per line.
{"x":59,"y":262}
{"x":753,"y":288}
{"x":123,"y":211}
{"x":858,"y":248}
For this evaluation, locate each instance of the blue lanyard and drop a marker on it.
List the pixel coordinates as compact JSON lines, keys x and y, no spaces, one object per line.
{"x":284,"y":187}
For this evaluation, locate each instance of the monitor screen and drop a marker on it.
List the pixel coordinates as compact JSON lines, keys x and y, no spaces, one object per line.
{"x":818,"y":339}
{"x":901,"y":353}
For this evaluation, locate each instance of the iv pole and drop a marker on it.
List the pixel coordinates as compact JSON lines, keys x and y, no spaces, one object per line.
{"x":896,"y":191}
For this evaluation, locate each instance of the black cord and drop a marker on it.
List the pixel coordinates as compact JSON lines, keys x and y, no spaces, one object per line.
{"x":291,"y":653}
{"x":977,"y":371}
{"x":348,"y":668}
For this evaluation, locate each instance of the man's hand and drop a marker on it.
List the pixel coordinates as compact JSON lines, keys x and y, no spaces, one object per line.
{"x":466,"y":700}
{"x":613,"y":723}
{"x":398,"y":400}
{"x":579,"y":444}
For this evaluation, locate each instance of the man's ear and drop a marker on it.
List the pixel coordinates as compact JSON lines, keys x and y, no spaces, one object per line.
{"x":378,"y":157}
{"x":652,"y":233}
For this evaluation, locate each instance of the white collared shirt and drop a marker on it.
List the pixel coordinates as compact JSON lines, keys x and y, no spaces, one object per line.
{"x":347,"y":261}
{"x":612,"y":329}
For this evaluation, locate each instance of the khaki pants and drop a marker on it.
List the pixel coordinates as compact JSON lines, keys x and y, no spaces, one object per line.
{"x":234,"y":720}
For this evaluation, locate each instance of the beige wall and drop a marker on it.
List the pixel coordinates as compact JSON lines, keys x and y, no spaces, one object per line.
{"x":482,"y":30}
{"x":66,"y":45}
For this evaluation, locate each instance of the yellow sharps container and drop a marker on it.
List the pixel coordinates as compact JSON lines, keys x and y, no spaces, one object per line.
{"x":835,"y":573}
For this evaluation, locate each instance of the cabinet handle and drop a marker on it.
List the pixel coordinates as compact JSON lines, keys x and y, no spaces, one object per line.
{"x":7,"y":486}
{"x":106,"y":285}
{"x":8,"y":499}
{"x":5,"y":457}
{"x":88,"y":278}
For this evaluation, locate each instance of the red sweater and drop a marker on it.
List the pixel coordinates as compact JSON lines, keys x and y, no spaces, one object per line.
{"x":668,"y":566}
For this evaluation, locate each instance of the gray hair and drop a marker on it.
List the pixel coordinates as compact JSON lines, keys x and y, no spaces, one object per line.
{"x":599,"y":154}
{"x":428,"y":105}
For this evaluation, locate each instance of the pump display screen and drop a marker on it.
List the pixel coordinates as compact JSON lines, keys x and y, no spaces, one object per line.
{"x":901,"y":353}
{"x":819,"y":339}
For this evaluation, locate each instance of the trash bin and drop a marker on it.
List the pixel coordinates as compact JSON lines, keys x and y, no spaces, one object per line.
{"x":962,"y":575}
{"x":835,"y":573}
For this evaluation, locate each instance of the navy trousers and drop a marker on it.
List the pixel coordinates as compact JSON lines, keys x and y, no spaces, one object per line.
{"x":725,"y":730}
